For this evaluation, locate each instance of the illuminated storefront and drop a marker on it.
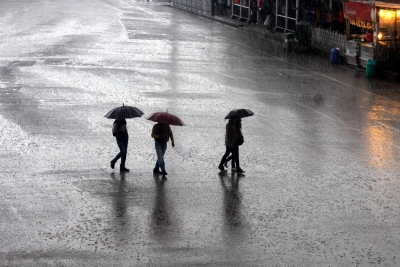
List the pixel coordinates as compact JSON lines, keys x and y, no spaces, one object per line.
{"x":373,"y":32}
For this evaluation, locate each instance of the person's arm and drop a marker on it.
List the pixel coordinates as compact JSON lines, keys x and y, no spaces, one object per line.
{"x":171,"y":135}
{"x":153,"y":132}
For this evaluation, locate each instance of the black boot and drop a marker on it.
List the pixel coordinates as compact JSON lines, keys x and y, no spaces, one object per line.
{"x":123,"y":169}
{"x":239,"y":170}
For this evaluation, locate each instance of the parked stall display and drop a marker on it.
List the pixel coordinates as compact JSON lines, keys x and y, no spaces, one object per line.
{"x":373,"y":33}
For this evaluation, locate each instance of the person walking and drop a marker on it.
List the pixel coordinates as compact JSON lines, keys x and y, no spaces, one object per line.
{"x":268,"y":22}
{"x":231,"y":136}
{"x":239,"y":142}
{"x":161,"y":133}
{"x":121,"y":135}
{"x":253,"y":12}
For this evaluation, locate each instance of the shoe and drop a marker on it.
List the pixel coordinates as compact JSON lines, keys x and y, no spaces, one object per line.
{"x":123,"y":169}
{"x":239,"y":170}
{"x":164,"y":173}
{"x":233,"y":169}
{"x":156,"y":171}
{"x":221,"y":168}
{"x":226,"y":164}
{"x":112,"y":164}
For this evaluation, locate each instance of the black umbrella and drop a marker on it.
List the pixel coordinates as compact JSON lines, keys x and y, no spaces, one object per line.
{"x":240,"y":113}
{"x":124,"y":112}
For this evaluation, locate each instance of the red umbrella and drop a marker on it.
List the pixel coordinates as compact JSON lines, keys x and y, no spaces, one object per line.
{"x":166,"y":118}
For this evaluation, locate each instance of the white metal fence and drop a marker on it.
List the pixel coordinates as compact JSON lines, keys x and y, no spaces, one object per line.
{"x":326,"y":40}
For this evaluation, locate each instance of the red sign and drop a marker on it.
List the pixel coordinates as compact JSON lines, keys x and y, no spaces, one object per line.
{"x":358,"y":11}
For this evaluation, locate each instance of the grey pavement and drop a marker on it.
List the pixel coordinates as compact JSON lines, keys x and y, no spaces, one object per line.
{"x":257,"y":29}
{"x":321,"y":153}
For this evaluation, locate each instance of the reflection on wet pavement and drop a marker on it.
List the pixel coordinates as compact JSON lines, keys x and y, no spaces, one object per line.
{"x":321,"y":185}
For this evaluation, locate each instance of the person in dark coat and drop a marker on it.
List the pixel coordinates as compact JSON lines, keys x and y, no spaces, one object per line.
{"x":253,"y":12}
{"x":121,"y":135}
{"x":239,"y":142}
{"x":161,"y":134}
{"x":231,"y":136}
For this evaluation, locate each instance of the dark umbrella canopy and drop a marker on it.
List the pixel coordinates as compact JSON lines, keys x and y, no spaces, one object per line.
{"x":166,"y":118}
{"x":240,"y":113}
{"x":124,"y":112}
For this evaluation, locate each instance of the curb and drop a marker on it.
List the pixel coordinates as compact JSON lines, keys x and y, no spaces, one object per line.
{"x":260,"y":32}
{"x":229,"y":22}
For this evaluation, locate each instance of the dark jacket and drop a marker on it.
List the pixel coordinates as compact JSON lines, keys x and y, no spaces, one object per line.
{"x":230,"y":134}
{"x":162,"y":133}
{"x":119,"y":129}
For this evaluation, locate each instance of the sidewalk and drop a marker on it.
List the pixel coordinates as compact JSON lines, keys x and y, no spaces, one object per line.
{"x":279,"y":37}
{"x":255,"y":30}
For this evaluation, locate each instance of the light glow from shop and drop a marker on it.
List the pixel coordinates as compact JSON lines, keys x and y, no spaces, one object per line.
{"x":387,"y":16}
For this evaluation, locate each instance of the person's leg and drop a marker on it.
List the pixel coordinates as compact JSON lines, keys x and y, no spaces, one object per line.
{"x":118,"y":156}
{"x":227,"y":152}
{"x":156,"y":167}
{"x":232,"y":162}
{"x":235,"y":159}
{"x":157,"y":147}
{"x":227,"y":160}
{"x":163,"y":149}
{"x":160,"y":155}
{"x":124,"y":151}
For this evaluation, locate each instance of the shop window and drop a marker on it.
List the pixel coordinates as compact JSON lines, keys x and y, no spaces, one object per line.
{"x":387,"y":25}
{"x":398,"y":24}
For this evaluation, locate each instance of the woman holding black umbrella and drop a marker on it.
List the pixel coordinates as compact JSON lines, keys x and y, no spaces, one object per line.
{"x":120,"y":132}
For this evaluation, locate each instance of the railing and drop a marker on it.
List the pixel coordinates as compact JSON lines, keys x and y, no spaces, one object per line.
{"x":326,"y":40}
{"x":198,"y":6}
{"x":241,"y":11}
{"x":285,"y":23}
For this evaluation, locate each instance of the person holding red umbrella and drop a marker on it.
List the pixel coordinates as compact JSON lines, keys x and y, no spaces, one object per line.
{"x":161,"y":133}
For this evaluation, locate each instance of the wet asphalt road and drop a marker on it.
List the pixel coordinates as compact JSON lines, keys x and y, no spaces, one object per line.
{"x":321,"y":154}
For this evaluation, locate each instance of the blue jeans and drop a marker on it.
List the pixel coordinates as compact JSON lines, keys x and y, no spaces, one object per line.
{"x":123,"y":149}
{"x":161,"y":147}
